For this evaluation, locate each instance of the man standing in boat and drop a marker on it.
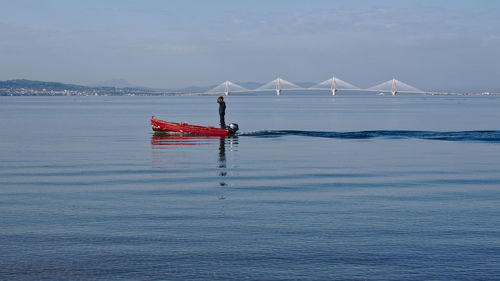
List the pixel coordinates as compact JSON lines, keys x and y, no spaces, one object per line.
{"x":222,"y":111}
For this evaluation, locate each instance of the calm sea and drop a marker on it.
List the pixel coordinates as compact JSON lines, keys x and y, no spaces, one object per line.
{"x":315,"y":187}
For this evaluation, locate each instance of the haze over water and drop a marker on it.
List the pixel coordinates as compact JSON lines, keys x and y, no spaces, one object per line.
{"x":313,"y":187}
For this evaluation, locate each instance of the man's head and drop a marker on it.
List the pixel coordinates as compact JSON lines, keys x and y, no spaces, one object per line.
{"x":220,"y":99}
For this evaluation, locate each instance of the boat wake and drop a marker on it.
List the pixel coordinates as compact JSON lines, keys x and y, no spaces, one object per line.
{"x":492,"y":136}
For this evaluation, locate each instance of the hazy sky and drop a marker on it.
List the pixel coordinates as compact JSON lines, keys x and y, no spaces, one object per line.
{"x":432,"y":45}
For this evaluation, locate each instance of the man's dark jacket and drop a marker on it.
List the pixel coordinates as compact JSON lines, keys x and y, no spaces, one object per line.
{"x":222,"y":108}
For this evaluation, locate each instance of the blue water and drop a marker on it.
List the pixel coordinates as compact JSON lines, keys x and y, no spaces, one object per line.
{"x":313,"y":187}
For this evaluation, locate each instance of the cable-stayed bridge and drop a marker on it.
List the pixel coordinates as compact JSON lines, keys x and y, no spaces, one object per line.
{"x":333,"y":85}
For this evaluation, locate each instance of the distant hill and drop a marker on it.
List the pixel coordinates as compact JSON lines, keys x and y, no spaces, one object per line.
{"x":31,"y":84}
{"x":24,"y":87}
{"x":117,"y":83}
{"x":192,"y":89}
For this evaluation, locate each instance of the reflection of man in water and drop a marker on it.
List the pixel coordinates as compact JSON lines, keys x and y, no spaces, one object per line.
{"x":222,"y":153}
{"x":222,"y":111}
{"x":222,"y":160}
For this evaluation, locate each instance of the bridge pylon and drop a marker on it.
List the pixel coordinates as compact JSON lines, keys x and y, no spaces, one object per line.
{"x":278,"y":87}
{"x":226,"y":89}
{"x":334,"y":90}
{"x":394,"y":86}
{"x":393,"y":89}
{"x":334,"y":84}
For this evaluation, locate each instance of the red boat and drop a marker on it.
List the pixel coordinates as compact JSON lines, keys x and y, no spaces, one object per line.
{"x":185,"y":128}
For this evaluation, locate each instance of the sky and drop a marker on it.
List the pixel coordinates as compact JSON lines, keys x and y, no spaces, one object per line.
{"x":434,"y":45}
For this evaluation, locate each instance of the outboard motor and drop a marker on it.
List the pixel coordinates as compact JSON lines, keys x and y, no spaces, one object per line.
{"x":233,"y":127}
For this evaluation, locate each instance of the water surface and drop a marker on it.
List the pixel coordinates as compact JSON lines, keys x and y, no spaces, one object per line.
{"x":313,"y":187}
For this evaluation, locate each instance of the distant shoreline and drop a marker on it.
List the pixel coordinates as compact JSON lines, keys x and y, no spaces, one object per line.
{"x":22,"y":87}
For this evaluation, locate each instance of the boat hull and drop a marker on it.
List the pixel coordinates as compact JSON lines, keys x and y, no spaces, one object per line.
{"x":184,"y":128}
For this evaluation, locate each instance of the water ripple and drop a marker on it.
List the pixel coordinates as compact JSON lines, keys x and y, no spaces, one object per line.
{"x":491,"y":136}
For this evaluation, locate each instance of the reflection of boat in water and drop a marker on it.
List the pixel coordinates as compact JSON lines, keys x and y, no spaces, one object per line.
{"x":185,"y":128}
{"x":160,"y":138}
{"x":164,"y":143}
